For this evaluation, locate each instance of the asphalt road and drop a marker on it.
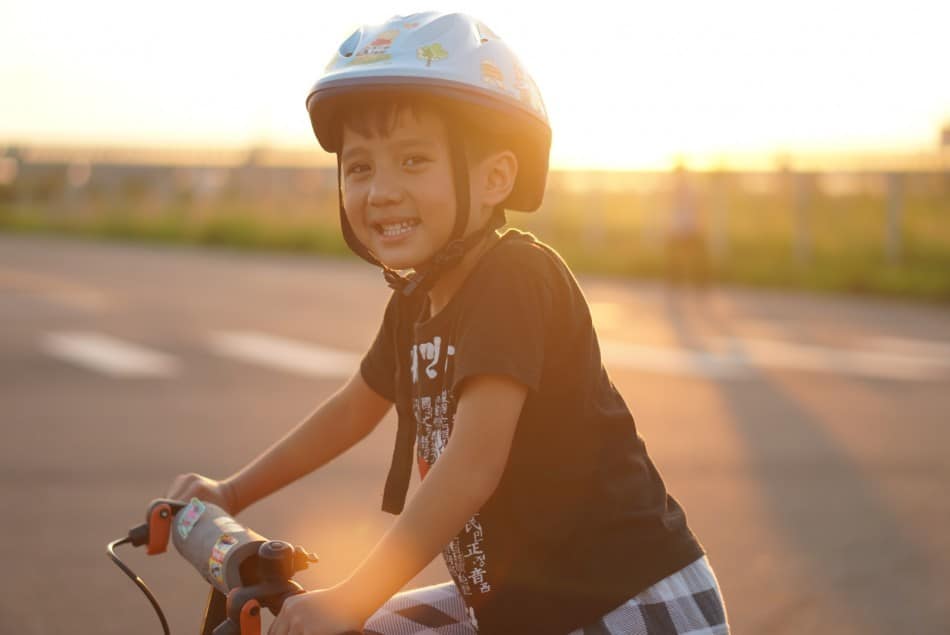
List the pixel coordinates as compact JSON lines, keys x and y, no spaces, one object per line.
{"x":806,"y":436}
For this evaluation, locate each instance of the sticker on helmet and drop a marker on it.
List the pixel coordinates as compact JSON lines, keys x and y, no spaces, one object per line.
{"x":524,"y":93}
{"x":377,"y":50}
{"x":526,"y":90}
{"x":409,"y":25}
{"x":492,"y":75}
{"x":431,"y":53}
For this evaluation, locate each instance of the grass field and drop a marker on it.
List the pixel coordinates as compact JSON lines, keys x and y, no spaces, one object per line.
{"x":805,"y":235}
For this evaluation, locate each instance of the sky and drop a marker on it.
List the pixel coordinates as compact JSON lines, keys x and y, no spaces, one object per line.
{"x":627,"y":85}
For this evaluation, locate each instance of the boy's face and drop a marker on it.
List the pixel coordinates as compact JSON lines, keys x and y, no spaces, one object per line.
{"x":398,"y":191}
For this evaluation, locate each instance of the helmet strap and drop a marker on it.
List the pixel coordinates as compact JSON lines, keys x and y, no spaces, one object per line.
{"x":392,"y":277}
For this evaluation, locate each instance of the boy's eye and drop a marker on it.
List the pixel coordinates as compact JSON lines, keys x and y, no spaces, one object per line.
{"x":357,"y":168}
{"x":415,"y":161}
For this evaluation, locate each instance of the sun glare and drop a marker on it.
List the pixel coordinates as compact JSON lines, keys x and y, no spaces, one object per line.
{"x":627,"y":85}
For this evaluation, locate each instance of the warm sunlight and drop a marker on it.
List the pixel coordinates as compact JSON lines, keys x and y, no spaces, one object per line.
{"x":626,"y":85}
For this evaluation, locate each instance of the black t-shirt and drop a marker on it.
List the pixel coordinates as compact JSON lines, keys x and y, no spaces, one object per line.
{"x":581,"y":520}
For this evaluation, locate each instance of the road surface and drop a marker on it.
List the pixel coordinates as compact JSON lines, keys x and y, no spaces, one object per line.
{"x":807,"y":436}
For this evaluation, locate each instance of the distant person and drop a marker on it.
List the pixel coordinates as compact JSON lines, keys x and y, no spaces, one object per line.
{"x":536,"y":487}
{"x":687,"y":258}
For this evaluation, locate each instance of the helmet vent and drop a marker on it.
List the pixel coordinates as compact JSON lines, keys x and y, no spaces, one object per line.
{"x":349,"y":46}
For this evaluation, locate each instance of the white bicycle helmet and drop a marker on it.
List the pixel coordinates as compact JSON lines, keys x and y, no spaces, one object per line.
{"x":460,"y":64}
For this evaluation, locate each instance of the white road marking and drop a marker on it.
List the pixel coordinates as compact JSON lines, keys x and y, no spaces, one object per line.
{"x":862,"y":363}
{"x":674,"y":361}
{"x":285,"y":354}
{"x":935,"y":350}
{"x":737,"y":358}
{"x":605,"y":315}
{"x":108,"y":355}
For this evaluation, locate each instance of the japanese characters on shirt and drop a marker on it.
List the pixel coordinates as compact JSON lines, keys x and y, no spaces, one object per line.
{"x":433,"y":406}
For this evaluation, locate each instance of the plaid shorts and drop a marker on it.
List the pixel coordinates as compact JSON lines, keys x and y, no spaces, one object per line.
{"x":687,"y":602}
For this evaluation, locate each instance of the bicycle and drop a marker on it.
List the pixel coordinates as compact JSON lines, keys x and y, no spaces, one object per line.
{"x":246,"y":571}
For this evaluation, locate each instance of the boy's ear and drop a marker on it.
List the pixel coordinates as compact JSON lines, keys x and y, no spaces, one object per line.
{"x":499,"y":171}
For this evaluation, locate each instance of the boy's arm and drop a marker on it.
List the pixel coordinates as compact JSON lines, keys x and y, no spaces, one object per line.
{"x":457,"y":486}
{"x":337,"y":424}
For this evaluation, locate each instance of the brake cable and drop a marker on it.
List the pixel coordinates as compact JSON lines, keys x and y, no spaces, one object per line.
{"x":110,"y":549}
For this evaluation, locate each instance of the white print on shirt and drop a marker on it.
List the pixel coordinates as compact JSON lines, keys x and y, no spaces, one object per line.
{"x":464,"y":556}
{"x":433,"y":426}
{"x":475,"y":557}
{"x":454,"y":562}
{"x":466,"y":561}
{"x":429,"y":352}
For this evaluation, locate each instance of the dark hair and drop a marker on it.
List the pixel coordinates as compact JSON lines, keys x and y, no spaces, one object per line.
{"x":379,"y":118}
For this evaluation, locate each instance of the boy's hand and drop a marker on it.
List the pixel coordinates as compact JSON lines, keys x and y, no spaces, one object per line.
{"x":323,"y":612}
{"x":220,"y":493}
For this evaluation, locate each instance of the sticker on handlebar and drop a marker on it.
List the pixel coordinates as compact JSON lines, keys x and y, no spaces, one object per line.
{"x":189,"y":517}
{"x":228,"y":525}
{"x":218,"y":553}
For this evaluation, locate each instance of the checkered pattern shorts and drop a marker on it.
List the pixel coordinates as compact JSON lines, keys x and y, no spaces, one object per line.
{"x":686,"y":603}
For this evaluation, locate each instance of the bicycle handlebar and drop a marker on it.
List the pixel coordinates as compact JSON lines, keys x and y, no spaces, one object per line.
{"x":246,"y":571}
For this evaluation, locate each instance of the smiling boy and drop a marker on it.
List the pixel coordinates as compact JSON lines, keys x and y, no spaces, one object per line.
{"x":536,"y":487}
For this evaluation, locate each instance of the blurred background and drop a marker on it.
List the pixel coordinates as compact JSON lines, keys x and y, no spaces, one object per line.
{"x":756,"y":197}
{"x":813,"y":139}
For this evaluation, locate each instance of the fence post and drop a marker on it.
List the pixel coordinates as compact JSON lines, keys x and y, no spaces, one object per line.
{"x":78,"y":173}
{"x":718,"y":201}
{"x":801,"y":201}
{"x":895,"y":215}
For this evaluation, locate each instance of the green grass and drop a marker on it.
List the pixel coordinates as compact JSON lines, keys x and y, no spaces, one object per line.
{"x":241,"y":231}
{"x":832,"y":245}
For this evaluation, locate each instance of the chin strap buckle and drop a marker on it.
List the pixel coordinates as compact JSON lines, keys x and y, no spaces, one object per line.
{"x":426,"y":275}
{"x":393,"y":279}
{"x":411,"y":285}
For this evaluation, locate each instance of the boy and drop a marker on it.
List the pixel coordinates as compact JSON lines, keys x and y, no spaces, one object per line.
{"x":536,"y":488}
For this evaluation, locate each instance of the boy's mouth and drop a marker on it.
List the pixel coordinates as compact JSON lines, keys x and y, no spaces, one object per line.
{"x":391,"y":229}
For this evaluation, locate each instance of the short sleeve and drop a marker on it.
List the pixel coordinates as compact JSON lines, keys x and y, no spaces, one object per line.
{"x":378,"y":367}
{"x":504,"y":326}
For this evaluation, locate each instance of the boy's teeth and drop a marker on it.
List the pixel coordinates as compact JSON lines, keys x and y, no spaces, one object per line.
{"x":395,"y":229}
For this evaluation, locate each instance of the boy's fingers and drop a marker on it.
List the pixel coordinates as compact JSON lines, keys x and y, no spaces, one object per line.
{"x":175,"y":488}
{"x":181,"y":486}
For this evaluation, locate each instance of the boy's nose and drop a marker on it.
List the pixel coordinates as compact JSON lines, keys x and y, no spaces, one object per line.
{"x":384,"y":190}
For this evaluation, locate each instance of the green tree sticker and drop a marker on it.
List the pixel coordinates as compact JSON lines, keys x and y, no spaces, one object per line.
{"x":432,"y":52}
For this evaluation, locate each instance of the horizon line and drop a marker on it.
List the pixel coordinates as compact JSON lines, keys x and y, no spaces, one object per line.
{"x":296,"y":155}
